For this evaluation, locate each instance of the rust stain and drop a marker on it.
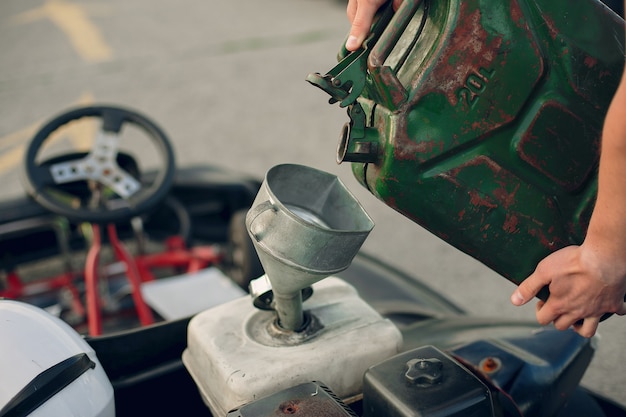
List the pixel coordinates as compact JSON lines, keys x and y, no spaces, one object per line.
{"x":289,"y":407}
{"x":547,"y":238}
{"x":391,"y":201}
{"x":540,"y":235}
{"x":478,"y":200}
{"x":516,"y":13}
{"x":552,"y":30}
{"x":428,"y":146}
{"x":504,"y":196}
{"x":511,"y":224}
{"x":590,"y":61}
{"x":490,"y":365}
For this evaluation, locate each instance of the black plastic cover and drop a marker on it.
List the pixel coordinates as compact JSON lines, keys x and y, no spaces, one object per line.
{"x":424,"y":382}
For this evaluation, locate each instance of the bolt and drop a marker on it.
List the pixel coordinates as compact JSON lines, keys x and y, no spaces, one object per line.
{"x":490,"y":364}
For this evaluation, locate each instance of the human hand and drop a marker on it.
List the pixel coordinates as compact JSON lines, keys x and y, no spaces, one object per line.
{"x":584,"y":285}
{"x":361,"y":15}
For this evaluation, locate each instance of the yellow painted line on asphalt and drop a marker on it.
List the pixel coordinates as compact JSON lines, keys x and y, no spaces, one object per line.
{"x":11,"y":159}
{"x":74,"y":21}
{"x":79,"y":135}
{"x":11,"y":139}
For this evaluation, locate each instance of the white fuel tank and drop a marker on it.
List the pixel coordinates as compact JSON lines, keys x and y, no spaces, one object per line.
{"x":236,"y":355}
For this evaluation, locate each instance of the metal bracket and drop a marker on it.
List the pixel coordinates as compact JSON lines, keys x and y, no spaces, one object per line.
{"x":346,"y":81}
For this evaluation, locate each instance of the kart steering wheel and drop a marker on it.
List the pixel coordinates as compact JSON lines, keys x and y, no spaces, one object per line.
{"x":127,"y":195}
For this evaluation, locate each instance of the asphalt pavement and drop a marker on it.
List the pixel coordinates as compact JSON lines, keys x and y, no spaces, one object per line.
{"x":226,"y":81}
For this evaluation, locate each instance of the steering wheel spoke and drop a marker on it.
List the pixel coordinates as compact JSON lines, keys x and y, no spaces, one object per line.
{"x":113,"y":118}
{"x":105,"y":146}
{"x":69,"y":171}
{"x":119,"y":181}
{"x":43,"y":175}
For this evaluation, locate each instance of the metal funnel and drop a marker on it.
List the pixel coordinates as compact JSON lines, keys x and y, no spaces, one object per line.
{"x":305,"y":226}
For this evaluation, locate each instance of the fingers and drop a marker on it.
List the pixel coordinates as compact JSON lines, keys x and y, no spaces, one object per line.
{"x":548,"y":312}
{"x":580,"y":292}
{"x":566,"y":321}
{"x":588,"y":327}
{"x":585,"y":327}
{"x":545,"y":315}
{"x":361,"y":14}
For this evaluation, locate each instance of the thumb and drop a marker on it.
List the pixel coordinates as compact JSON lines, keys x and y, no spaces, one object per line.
{"x":517,"y":298}
{"x":528,"y":289}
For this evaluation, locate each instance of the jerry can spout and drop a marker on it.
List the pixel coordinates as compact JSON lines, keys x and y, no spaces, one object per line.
{"x":365,"y":150}
{"x":358,"y":143}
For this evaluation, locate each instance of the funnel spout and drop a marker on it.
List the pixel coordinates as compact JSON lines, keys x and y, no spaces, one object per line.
{"x":289,"y":310}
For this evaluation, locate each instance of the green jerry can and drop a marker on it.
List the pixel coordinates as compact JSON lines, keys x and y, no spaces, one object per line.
{"x":481,"y":120}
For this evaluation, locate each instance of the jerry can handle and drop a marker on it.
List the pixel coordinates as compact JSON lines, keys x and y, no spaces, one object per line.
{"x":381,"y":50}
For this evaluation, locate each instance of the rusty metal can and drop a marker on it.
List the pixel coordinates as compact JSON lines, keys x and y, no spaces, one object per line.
{"x":481,"y":121}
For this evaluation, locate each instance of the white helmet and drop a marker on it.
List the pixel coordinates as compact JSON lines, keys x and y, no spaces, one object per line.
{"x":47,"y":369}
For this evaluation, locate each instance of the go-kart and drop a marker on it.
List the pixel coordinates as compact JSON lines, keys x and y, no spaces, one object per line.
{"x":93,"y":201}
{"x":187,"y":224}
